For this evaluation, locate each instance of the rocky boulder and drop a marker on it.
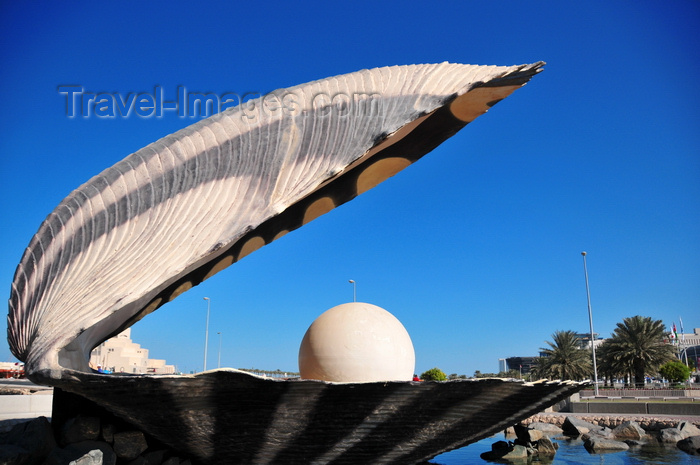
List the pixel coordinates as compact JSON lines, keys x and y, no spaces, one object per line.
{"x":94,"y":457}
{"x":129,"y":444}
{"x":688,"y":429}
{"x":547,"y":428}
{"x":502,"y":450}
{"x":546,"y":447}
{"x":598,"y":444}
{"x":83,"y":453}
{"x":529,"y":442}
{"x":108,"y":430}
{"x":690,"y":445}
{"x":684,"y":430}
{"x":527,"y":435}
{"x":670,"y":435}
{"x":33,"y":443}
{"x":27,"y":442}
{"x":629,"y":430}
{"x":78,"y":429}
{"x":576,"y":427}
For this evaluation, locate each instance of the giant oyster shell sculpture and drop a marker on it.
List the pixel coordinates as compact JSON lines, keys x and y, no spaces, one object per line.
{"x":187,"y":206}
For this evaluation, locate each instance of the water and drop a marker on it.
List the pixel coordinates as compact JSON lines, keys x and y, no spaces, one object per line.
{"x":572,"y":452}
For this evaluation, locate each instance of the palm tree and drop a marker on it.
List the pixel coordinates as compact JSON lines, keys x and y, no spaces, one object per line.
{"x":538,"y":369}
{"x":637,"y":347}
{"x":608,"y":366}
{"x":564,"y":359}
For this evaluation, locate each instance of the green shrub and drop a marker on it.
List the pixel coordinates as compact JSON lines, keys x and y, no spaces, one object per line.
{"x":434,"y":374}
{"x":675,"y":372}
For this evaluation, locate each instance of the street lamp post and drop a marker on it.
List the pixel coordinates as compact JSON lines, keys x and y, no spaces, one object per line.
{"x":206,"y":334}
{"x":590,"y":321}
{"x":354,"y":290}
{"x":219,"y":361}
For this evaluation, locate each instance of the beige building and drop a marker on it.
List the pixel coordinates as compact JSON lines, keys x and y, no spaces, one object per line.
{"x":690,"y":339}
{"x":120,"y":355}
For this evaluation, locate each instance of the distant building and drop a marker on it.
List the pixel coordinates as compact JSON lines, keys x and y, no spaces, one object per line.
{"x":688,"y":347}
{"x":11,"y":370}
{"x":686,"y":339}
{"x":120,"y":355}
{"x":520,"y":364}
{"x":502,"y":367}
{"x":584,"y":340}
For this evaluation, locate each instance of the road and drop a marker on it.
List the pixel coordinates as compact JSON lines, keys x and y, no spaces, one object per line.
{"x":21,"y":384}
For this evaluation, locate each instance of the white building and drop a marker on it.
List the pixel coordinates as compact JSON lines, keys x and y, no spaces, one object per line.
{"x":689,"y":339}
{"x":689,"y":348}
{"x":120,"y":355}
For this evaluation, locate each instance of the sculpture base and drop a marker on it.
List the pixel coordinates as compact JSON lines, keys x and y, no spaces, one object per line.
{"x":228,"y":416}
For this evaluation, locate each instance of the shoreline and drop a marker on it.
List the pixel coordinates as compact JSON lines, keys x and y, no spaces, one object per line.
{"x":611,"y":420}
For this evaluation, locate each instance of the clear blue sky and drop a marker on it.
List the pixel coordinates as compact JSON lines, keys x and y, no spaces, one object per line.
{"x":475,"y":248}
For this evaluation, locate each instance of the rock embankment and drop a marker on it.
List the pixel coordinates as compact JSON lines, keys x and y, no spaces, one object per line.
{"x":529,"y":442}
{"x":602,"y":434}
{"x":609,"y":433}
{"x":648,"y":423}
{"x":82,"y":440}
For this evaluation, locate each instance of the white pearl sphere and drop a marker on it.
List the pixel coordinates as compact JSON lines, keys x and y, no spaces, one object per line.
{"x":354,"y":343}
